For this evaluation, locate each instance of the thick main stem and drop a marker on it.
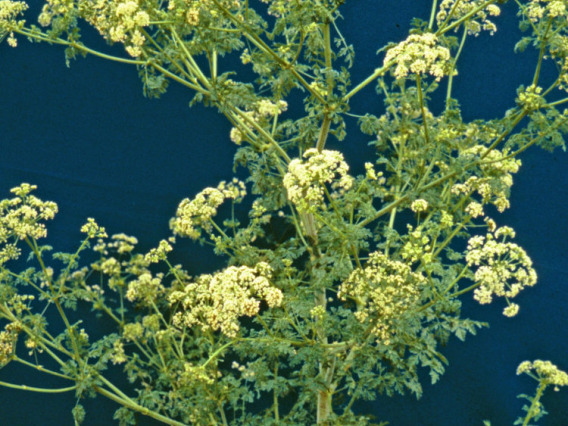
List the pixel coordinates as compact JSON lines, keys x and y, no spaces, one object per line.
{"x":324,"y":396}
{"x":324,"y":406}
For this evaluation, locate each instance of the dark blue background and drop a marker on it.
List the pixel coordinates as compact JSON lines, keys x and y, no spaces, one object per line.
{"x":92,"y":143}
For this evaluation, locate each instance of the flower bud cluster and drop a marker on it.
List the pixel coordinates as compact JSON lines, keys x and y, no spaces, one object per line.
{"x":195,"y":215}
{"x":8,"y":339}
{"x":217,"y":301}
{"x":247,"y":373}
{"x":530,"y":99}
{"x":460,"y":8}
{"x":417,"y":247}
{"x":494,"y":185}
{"x":503,"y":269}
{"x":306,"y":179}
{"x":385,"y":290}
{"x":420,"y":54}
{"x":195,"y":373}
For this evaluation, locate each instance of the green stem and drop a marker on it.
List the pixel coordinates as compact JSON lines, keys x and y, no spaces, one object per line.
{"x":223,"y":417}
{"x":534,"y":403}
{"x":35,"y":389}
{"x":55,"y":298}
{"x":541,"y":54}
{"x":193,"y":67}
{"x":275,"y":396}
{"x":432,"y":14}
{"x":240,"y":115}
{"x":40,"y":368}
{"x":217,"y":352}
{"x":324,"y":130}
{"x":451,"y":76}
{"x":378,"y":72}
{"x":128,"y":403}
{"x":79,"y":46}
{"x":175,"y":63}
{"x":422,"y":108}
{"x":517,"y":120}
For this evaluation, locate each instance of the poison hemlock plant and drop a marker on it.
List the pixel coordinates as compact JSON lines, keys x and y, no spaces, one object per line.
{"x":366,"y":288}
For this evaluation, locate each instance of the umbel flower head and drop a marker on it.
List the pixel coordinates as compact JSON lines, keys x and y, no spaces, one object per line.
{"x":194,"y":215}
{"x":385,"y":290}
{"x":117,"y":21}
{"x":9,"y":11}
{"x":545,"y":371}
{"x":20,"y":218}
{"x":217,"y":301}
{"x":503,"y":268}
{"x":306,"y":178}
{"x":419,"y":54}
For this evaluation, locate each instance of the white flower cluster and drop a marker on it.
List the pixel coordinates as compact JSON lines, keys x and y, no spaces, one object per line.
{"x":145,"y":289}
{"x":502,"y":269}
{"x":217,"y":301}
{"x":116,"y":21}
{"x":159,"y":253}
{"x":194,"y":215}
{"x":93,"y":230}
{"x":546,"y":372}
{"x":236,"y":136}
{"x":419,"y":206}
{"x":192,"y":16}
{"x":9,"y":10}
{"x":419,"y":54}
{"x":385,"y":289}
{"x":306,"y":179}
{"x":20,"y":218}
{"x":460,"y":8}
{"x":109,"y":266}
{"x":474,"y":209}
{"x":266,"y":107}
{"x":122,"y":243}
{"x":536,"y":10}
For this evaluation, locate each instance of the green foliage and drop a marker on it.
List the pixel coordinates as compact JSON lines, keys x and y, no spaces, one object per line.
{"x":363,"y":290}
